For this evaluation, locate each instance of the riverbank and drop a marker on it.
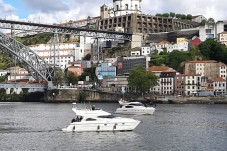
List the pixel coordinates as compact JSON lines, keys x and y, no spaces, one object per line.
{"x":70,"y":96}
{"x":199,"y":100}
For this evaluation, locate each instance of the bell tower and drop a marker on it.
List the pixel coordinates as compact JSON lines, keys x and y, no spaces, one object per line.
{"x":104,"y":11}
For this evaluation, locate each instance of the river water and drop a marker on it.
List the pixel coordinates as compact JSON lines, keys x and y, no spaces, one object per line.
{"x":37,"y":126}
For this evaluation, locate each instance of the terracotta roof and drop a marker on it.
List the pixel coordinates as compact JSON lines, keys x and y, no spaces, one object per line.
{"x":222,"y":64}
{"x":184,"y":75}
{"x":161,"y":69}
{"x":164,"y":42}
{"x":203,"y":61}
{"x":225,"y":32}
{"x":219,"y":79}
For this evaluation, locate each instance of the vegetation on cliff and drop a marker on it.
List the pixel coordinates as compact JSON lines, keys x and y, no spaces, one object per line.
{"x":176,"y":16}
{"x":6,"y":61}
{"x":208,"y":50}
{"x":42,"y":38}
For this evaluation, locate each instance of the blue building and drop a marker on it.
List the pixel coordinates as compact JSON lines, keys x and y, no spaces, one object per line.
{"x":105,"y":70}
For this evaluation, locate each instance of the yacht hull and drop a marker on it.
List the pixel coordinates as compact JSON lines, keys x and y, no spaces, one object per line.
{"x":141,"y":111}
{"x":101,"y":126}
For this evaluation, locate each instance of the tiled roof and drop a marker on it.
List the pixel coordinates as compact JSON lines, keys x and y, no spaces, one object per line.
{"x":222,"y":64}
{"x":203,"y":61}
{"x":161,"y":69}
{"x":225,"y":32}
{"x":164,"y":42}
{"x":184,"y":75}
{"x":219,"y":79}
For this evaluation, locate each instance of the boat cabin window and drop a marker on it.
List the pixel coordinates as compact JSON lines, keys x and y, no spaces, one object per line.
{"x":107,"y":116}
{"x":90,"y":119}
{"x":128,"y":106}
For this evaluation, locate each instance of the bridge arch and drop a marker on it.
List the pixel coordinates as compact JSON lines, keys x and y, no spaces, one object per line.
{"x":34,"y":64}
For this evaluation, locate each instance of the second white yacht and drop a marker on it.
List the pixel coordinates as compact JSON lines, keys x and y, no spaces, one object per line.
{"x":134,"y":108}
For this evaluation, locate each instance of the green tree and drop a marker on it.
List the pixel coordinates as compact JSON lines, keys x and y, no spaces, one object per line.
{"x":213,"y":50}
{"x":5,"y":61}
{"x":88,"y":72}
{"x":189,"y":17}
{"x":159,"y":15}
{"x":71,"y":78}
{"x":165,"y":15}
{"x":195,"y":53}
{"x":141,"y":80}
{"x":183,"y":16}
{"x":203,"y":22}
{"x":178,"y":16}
{"x":59,"y":77}
{"x":176,"y":58}
{"x":172,"y":15}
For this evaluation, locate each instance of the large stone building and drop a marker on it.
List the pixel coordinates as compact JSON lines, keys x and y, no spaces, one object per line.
{"x":128,"y":15}
{"x":141,"y":23}
{"x":209,"y":68}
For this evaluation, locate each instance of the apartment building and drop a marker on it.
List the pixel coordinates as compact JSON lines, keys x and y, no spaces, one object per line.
{"x":219,"y":86}
{"x":61,"y":54}
{"x":187,"y":84}
{"x":211,"y":30}
{"x":208,"y":68}
{"x":126,"y":64}
{"x":222,"y":37}
{"x":166,"y":80}
{"x":192,"y":84}
{"x":18,"y":74}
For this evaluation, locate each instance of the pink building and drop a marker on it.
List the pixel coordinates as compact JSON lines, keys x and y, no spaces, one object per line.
{"x":76,"y":68}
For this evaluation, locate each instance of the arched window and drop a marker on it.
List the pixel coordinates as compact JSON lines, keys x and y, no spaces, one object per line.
{"x":136,"y":7}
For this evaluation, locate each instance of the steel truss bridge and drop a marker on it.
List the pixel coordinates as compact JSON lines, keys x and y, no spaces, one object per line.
{"x":35,"y":65}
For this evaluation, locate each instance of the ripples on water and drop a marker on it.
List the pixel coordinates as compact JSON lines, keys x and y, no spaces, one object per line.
{"x":37,"y":126}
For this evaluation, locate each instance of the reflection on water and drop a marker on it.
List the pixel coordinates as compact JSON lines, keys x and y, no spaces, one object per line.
{"x":37,"y":126}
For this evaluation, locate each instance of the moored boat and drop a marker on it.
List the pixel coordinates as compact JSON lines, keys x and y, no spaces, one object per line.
{"x":134,"y":108}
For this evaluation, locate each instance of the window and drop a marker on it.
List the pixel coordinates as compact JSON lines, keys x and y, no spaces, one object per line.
{"x":136,"y":7}
{"x":90,"y":119}
{"x":126,"y":6}
{"x":117,"y":7}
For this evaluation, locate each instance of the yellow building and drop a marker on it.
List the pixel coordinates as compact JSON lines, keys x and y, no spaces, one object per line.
{"x":182,"y":40}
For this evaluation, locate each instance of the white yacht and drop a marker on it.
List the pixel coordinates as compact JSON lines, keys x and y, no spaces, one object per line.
{"x":98,"y":120}
{"x":134,"y":108}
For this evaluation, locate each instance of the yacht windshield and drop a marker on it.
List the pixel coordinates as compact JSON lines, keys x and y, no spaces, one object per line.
{"x":136,"y":104}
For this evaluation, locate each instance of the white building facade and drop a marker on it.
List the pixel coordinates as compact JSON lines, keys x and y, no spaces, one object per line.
{"x":192,"y":84}
{"x":164,"y":45}
{"x":223,"y":70}
{"x":61,"y":55}
{"x":219,"y":86}
{"x":222,"y":37}
{"x":124,"y":7}
{"x":211,"y":30}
